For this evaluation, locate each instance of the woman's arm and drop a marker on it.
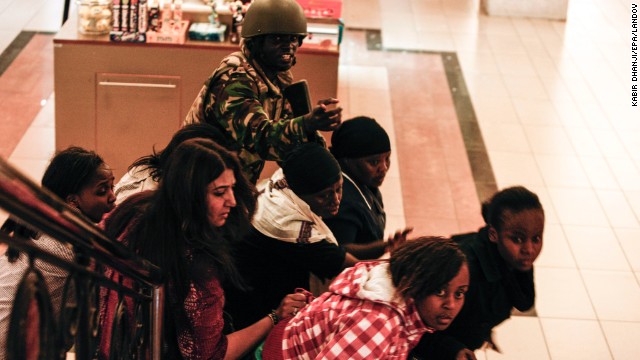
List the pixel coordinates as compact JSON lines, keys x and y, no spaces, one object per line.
{"x":242,"y":341}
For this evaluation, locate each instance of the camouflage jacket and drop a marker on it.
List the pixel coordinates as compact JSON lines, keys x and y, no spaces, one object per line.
{"x":251,"y":110}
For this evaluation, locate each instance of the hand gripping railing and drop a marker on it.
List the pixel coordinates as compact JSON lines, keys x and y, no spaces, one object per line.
{"x":43,"y":211}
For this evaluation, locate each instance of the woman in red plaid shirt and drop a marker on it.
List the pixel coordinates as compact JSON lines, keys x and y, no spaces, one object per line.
{"x":378,"y":309}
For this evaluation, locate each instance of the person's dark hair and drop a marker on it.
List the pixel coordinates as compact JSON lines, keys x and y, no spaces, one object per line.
{"x":515,"y":199}
{"x":156,"y":160}
{"x":70,"y":170}
{"x":176,"y":218}
{"x":422,"y":266}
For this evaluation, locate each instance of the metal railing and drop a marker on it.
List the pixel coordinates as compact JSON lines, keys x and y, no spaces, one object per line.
{"x":29,"y":204}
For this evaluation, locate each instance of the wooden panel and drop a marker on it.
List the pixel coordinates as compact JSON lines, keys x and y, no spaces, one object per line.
{"x":134,"y":114}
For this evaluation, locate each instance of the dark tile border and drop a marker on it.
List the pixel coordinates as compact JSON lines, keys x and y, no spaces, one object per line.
{"x":474,"y":143}
{"x":13,"y":50}
{"x":476,"y":151}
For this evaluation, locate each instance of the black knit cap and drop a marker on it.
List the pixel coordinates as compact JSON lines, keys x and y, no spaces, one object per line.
{"x":359,"y":137}
{"x":310,"y":168}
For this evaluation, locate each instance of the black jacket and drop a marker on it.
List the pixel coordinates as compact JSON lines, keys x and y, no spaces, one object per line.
{"x":493,"y":291}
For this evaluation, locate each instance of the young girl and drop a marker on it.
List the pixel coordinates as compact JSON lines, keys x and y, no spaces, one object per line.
{"x":501,"y":257}
{"x":82,"y":180}
{"x":186,"y":228}
{"x":379,"y":309}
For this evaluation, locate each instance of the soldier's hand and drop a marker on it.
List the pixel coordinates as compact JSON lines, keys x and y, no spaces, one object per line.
{"x":324,"y":117}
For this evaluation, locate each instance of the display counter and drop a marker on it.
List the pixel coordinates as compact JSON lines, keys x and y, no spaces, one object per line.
{"x":124,"y":99}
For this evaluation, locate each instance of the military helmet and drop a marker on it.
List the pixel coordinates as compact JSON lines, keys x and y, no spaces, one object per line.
{"x":274,"y":17}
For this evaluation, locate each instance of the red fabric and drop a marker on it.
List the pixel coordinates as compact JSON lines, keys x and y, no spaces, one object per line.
{"x":199,"y":333}
{"x":337,"y":326}
{"x":272,"y":348}
{"x":198,"y":321}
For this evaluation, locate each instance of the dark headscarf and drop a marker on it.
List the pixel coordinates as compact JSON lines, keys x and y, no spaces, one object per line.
{"x":310,"y":168}
{"x":359,"y":137}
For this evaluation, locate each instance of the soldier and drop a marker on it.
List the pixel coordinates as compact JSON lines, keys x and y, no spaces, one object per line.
{"x":244,"y":95}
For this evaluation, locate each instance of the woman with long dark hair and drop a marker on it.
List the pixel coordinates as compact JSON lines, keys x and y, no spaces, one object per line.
{"x":186,"y":227}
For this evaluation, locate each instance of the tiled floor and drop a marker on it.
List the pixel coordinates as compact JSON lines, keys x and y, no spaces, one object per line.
{"x":553,"y":104}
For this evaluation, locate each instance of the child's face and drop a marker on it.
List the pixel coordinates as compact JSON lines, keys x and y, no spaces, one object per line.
{"x":520,"y":238}
{"x":97,"y":198}
{"x":440,"y":309}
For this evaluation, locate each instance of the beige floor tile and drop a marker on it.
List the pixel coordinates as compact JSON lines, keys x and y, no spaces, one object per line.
{"x":575,"y":339}
{"x":505,"y":137}
{"x":394,"y":223}
{"x":583,"y":141}
{"x":626,"y":173}
{"x":368,"y":77}
{"x":631,"y":141}
{"x":495,"y":25}
{"x":515,"y":169}
{"x":622,"y":338}
{"x":509,"y":336}
{"x":603,"y":286}
{"x":630,"y":241}
{"x":617,"y":209}
{"x":465,"y":24}
{"x":548,"y":140}
{"x":492,"y":109}
{"x":477,"y":62}
{"x":19,"y":15}
{"x":599,"y":173}
{"x":42,"y":19}
{"x":37,"y":143}
{"x":527,"y":87}
{"x":591,"y":111}
{"x":515,"y":64}
{"x":577,"y":206}
{"x":560,"y":293}
{"x":391,"y":190}
{"x":46,"y":116}
{"x":372,"y":103}
{"x":556,"y":252}
{"x":32,"y":168}
{"x":361,"y":14}
{"x":435,"y":41}
{"x":537,"y":112}
{"x":486,"y":84}
{"x":610,"y":144}
{"x":562,"y":171}
{"x":430,"y":23}
{"x":596,"y":248}
{"x":507,"y":43}
{"x":550,"y":214}
{"x":634,"y":200}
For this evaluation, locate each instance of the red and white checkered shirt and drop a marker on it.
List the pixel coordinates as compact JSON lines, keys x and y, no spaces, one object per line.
{"x":353,"y":322}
